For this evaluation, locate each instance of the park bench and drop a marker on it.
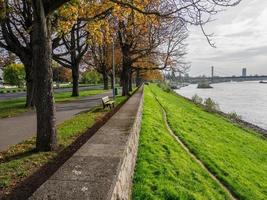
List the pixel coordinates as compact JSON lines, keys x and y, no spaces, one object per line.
{"x":107,"y":102}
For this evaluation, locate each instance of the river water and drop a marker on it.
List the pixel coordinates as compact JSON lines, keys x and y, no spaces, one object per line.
{"x":248,"y":99}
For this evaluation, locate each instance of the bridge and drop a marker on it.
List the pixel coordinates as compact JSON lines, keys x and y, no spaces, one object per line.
{"x":219,"y":79}
{"x":226,"y":78}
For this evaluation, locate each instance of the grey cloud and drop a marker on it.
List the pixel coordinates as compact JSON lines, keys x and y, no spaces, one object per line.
{"x":241,"y":38}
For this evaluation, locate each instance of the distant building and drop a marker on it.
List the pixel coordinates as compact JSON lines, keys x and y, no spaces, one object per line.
{"x":244,"y":72}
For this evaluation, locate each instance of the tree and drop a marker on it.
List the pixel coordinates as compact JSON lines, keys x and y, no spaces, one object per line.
{"x":194,"y":12}
{"x":139,"y":36}
{"x":14,"y":74}
{"x":42,"y":65}
{"x":61,"y":74}
{"x":70,"y":50}
{"x":152,"y":75}
{"x":91,"y":77}
{"x":16,"y":37}
{"x":99,"y":60}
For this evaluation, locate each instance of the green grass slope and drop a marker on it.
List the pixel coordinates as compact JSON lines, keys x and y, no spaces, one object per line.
{"x":237,"y":156}
{"x":164,"y":170}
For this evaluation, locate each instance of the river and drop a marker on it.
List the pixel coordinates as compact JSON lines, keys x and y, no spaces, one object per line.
{"x":247,"y":99}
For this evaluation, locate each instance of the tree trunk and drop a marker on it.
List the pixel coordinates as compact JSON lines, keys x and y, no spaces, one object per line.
{"x":105,"y":80}
{"x":138,"y":79}
{"x":104,"y":73}
{"x":43,"y":80}
{"x":130,"y":82}
{"x":125,"y":76}
{"x":125,"y":81}
{"x":111,"y":81}
{"x":29,"y":94}
{"x":29,"y":85}
{"x":75,"y":81}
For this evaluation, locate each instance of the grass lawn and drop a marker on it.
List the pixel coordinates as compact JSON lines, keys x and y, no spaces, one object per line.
{"x":238,"y":157}
{"x":23,"y":89}
{"x":21,"y":160}
{"x":9,"y":108}
{"x":164,"y":170}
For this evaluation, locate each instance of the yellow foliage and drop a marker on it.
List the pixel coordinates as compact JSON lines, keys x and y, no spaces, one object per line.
{"x":102,"y":29}
{"x":151,"y":75}
{"x":2,"y":9}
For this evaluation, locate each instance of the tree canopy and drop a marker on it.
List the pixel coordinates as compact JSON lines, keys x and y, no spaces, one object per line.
{"x":149,"y":35}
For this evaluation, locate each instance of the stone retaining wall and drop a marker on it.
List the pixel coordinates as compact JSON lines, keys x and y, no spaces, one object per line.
{"x":123,"y":184}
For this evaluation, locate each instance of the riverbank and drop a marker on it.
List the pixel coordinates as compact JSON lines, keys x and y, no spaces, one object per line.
{"x":238,"y":121}
{"x":234,"y":155}
{"x":164,"y":170}
{"x":246,"y":99}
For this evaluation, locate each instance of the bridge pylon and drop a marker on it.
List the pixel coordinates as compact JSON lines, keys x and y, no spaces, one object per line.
{"x":212,"y":73}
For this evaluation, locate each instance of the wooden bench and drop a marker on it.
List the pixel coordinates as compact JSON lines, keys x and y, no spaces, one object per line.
{"x":107,"y":102}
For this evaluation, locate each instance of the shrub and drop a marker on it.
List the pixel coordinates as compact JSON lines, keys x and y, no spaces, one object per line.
{"x":210,"y":105}
{"x":14,"y":74}
{"x":91,"y":77}
{"x":61,"y":74}
{"x":234,"y":116}
{"x":197,"y":99}
{"x":164,"y":86}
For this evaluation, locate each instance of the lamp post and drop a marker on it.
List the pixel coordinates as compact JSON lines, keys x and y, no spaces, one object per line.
{"x":113,"y":68}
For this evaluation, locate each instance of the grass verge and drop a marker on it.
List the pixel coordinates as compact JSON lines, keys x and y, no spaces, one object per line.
{"x":11,"y":90}
{"x":23,"y":89}
{"x":164,"y":170}
{"x":235,"y":155}
{"x":14,"y":107}
{"x":21,"y":160}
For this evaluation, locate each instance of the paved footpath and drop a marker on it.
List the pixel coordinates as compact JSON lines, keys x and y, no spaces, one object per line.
{"x":16,"y":129}
{"x":102,"y":169}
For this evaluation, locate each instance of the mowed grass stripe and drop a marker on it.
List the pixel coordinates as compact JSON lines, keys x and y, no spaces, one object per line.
{"x":236,"y":156}
{"x":164,"y":170}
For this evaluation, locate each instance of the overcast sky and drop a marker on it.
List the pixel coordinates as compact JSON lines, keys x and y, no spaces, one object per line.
{"x":240,"y":34}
